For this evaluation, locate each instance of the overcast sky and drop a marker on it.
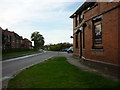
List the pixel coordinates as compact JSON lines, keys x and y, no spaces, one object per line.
{"x":49,"y":17}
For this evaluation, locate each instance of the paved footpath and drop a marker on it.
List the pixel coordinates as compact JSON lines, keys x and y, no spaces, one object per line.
{"x":76,"y":62}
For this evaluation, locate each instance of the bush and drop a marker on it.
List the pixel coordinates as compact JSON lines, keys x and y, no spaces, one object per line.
{"x":55,"y":48}
{"x":10,"y":50}
{"x":59,"y":46}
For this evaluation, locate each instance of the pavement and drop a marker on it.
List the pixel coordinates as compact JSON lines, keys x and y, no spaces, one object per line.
{"x":77,"y":62}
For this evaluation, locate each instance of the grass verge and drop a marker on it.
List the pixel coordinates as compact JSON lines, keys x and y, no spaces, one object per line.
{"x":58,"y":73}
{"x":6,"y":55}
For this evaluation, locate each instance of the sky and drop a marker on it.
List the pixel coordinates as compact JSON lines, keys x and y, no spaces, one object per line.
{"x":49,"y":17}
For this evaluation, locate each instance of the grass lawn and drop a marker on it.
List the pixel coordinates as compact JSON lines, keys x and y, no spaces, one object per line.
{"x":58,"y":73}
{"x":18,"y":53}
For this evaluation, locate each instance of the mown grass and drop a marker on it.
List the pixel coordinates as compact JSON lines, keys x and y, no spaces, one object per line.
{"x":58,"y":73}
{"x":6,"y":55}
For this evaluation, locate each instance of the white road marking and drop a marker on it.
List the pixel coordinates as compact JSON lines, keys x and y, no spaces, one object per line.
{"x":13,"y":59}
{"x":5,"y":78}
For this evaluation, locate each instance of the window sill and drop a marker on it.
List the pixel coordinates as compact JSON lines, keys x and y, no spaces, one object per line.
{"x":96,"y":49}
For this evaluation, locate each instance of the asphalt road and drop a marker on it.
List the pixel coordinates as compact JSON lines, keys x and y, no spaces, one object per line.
{"x":11,"y":66}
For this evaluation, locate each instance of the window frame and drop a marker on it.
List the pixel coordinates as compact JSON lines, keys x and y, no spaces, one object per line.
{"x":97,"y":45}
{"x":95,"y":33}
{"x":76,"y":20}
{"x":81,"y":17}
{"x":76,"y":41}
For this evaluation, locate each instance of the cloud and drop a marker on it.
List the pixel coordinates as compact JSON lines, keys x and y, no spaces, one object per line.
{"x":58,"y":36}
{"x":50,"y":17}
{"x":15,"y":11}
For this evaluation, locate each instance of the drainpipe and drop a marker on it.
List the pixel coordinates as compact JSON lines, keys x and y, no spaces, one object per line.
{"x":80,"y":30}
{"x":80,"y":44}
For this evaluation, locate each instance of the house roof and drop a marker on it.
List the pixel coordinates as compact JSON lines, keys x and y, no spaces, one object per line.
{"x":25,"y":39}
{"x":84,"y":6}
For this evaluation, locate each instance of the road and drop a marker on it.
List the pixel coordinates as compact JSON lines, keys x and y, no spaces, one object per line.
{"x":12,"y":66}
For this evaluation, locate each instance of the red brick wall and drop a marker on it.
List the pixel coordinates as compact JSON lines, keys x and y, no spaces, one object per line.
{"x":109,"y":34}
{"x":27,"y":43}
{"x":109,"y":38}
{"x":119,"y":36}
{"x":102,"y":7}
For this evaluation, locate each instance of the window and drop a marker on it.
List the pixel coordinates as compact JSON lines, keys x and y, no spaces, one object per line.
{"x":76,"y":21}
{"x":76,"y":42}
{"x":98,"y":34}
{"x":81,"y":17}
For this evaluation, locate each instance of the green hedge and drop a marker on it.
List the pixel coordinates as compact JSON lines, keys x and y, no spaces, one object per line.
{"x":55,"y":48}
{"x":58,"y":47}
{"x":10,"y":50}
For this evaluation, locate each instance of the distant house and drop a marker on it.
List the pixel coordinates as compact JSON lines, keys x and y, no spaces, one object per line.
{"x":11,"y":39}
{"x":7,"y":38}
{"x":96,"y":33}
{"x":18,"y":41}
{"x":27,"y":43}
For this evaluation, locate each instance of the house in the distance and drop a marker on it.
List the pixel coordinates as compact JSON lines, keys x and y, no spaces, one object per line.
{"x":11,"y":39}
{"x":27,"y":43}
{"x":96,"y":34}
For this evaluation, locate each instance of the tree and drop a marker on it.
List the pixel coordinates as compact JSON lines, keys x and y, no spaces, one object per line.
{"x":38,"y":40}
{"x":59,"y":46}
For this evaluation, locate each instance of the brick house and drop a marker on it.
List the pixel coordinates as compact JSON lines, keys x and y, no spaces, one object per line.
{"x":7,"y":37}
{"x":95,"y":33}
{"x":27,"y":43}
{"x":18,"y":43}
{"x":11,"y":39}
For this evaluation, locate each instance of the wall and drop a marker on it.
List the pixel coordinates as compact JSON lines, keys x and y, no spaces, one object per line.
{"x":109,"y":34}
{"x":109,"y":38}
{"x":119,"y":36}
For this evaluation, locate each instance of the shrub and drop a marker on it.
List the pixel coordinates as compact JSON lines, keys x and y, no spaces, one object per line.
{"x":55,"y":48}
{"x":10,"y":50}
